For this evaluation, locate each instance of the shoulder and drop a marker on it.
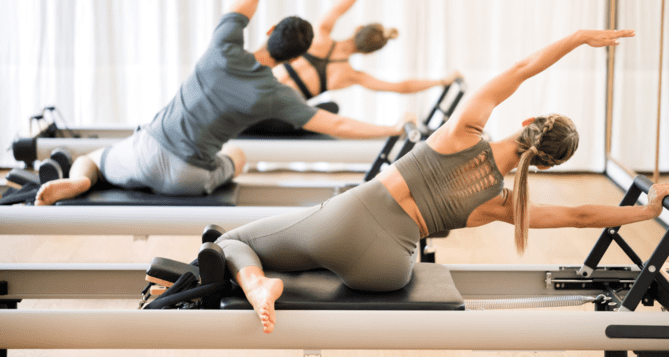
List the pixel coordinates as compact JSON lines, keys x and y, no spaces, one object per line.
{"x":231,"y":29}
{"x":234,"y":18}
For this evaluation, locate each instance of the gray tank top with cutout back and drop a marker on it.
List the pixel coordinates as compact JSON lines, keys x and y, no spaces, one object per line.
{"x":448,"y":187}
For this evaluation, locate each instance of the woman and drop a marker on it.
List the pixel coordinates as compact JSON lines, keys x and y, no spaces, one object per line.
{"x":325,"y":65}
{"x":368,"y":235}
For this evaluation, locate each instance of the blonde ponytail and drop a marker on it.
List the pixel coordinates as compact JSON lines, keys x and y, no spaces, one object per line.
{"x":547,"y":141}
{"x":521,"y":215}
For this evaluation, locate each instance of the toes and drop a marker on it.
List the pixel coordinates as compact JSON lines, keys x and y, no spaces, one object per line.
{"x":268,"y":328}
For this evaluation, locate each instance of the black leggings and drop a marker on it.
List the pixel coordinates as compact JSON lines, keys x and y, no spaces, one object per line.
{"x":362,"y":235}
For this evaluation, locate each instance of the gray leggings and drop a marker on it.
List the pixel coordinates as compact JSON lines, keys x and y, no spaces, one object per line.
{"x":362,"y":235}
{"x":140,"y":161}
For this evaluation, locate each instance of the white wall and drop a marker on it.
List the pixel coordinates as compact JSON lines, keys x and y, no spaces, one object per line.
{"x":118,"y":62}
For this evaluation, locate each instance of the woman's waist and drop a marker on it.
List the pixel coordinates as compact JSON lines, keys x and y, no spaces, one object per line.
{"x":399,"y":190}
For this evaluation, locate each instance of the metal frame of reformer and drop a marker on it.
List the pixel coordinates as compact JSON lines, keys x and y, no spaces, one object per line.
{"x":625,"y":287}
{"x":79,"y":141}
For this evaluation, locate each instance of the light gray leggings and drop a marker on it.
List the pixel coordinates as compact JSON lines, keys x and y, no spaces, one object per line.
{"x":140,"y":161}
{"x":362,"y":235}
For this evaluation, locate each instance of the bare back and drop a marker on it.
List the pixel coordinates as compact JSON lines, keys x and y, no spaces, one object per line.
{"x":337,"y":72}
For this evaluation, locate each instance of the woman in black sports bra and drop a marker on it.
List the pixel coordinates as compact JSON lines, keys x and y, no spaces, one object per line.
{"x":325,"y":66}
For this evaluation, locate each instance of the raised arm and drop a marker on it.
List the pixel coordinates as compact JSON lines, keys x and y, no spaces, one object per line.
{"x":245,"y":7}
{"x":477,"y":110}
{"x":407,"y":86}
{"x":328,"y":21}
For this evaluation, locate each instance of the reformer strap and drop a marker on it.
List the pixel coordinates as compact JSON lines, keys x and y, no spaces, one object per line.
{"x":185,"y":289}
{"x":26,"y":194}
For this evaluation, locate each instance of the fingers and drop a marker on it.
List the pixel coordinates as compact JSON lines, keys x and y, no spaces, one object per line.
{"x":608,"y":37}
{"x":618,"y":34}
{"x":659,"y":191}
{"x":625,"y":33}
{"x":662,"y":189}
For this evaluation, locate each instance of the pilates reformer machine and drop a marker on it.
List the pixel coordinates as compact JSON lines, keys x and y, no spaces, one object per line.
{"x":97,"y":213}
{"x":446,"y":307}
{"x":306,"y":147}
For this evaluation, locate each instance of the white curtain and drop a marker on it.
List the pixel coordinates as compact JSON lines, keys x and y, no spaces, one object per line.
{"x":118,"y":62}
{"x":636,"y":88}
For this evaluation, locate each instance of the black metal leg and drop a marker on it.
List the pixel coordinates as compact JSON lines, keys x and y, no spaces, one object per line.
{"x":608,"y":234}
{"x":648,"y":274}
{"x":426,"y":257}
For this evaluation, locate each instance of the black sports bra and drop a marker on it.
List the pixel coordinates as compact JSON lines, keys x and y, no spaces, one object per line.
{"x":320,"y":65}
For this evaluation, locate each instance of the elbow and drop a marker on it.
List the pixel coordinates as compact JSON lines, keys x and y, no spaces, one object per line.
{"x":520,"y":68}
{"x":585,"y":219}
{"x":339,"y":127}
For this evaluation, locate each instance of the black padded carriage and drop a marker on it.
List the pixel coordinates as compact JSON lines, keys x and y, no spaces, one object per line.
{"x":431,"y":288}
{"x":223,"y":196}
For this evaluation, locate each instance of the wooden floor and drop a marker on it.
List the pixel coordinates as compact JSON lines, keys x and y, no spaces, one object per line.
{"x":491,"y":244}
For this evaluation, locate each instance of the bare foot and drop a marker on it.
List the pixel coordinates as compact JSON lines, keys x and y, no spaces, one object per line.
{"x":262,"y":296}
{"x":56,"y":190}
{"x":238,"y":158}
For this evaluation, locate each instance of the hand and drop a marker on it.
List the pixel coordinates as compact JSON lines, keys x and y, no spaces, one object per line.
{"x":407,"y":117}
{"x":656,"y":195}
{"x":601,"y":38}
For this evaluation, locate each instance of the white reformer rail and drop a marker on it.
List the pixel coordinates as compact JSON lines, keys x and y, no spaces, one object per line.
{"x":316,"y":330}
{"x":256,"y":150}
{"x":126,"y":220}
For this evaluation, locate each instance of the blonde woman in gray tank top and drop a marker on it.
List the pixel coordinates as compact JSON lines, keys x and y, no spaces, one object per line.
{"x":368,"y":236}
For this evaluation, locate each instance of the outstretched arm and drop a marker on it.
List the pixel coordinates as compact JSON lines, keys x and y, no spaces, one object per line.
{"x":408,"y":86}
{"x":325,"y":122}
{"x":327,"y":23}
{"x":478,"y":108}
{"x":245,"y":7}
{"x":598,"y":216}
